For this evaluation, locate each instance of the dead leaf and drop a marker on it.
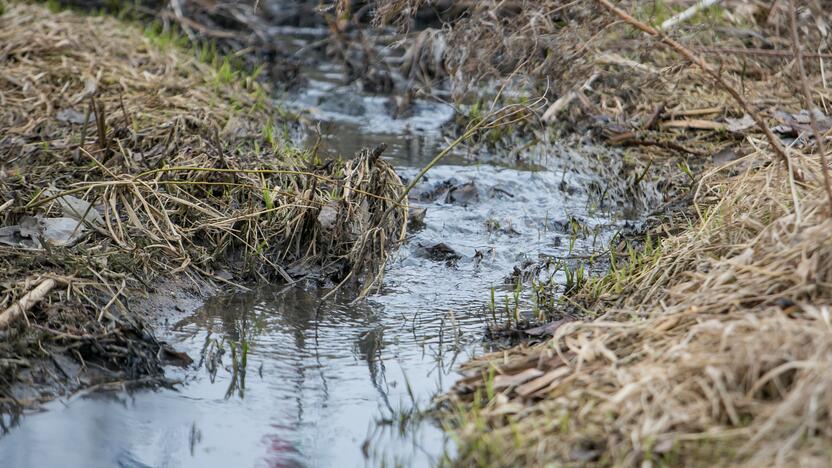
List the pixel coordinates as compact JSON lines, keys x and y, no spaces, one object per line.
{"x":547,"y":329}
{"x":739,"y":125}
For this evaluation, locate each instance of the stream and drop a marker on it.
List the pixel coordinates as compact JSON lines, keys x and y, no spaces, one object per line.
{"x":326,"y":383}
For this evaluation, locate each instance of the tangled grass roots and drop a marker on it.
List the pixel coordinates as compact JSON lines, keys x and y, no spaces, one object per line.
{"x":718,"y":350}
{"x":185,"y":168}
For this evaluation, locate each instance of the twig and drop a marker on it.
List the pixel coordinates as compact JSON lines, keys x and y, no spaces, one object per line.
{"x":690,"y":56}
{"x":5,"y":205}
{"x":688,"y":14}
{"x":808,"y":102}
{"x":26,"y":302}
{"x":754,"y":51}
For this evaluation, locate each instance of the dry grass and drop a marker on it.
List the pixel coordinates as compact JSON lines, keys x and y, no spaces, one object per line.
{"x":188,"y":166}
{"x":718,"y":349}
{"x":713,"y":348}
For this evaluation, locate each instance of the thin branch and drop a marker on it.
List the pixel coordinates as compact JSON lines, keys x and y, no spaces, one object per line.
{"x":701,"y":63}
{"x":26,"y":302}
{"x":688,"y":14}
{"x":808,"y":102}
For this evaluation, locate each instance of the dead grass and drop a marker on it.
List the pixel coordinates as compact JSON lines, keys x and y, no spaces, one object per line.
{"x":711,"y":349}
{"x":722,"y":338}
{"x":185,"y":168}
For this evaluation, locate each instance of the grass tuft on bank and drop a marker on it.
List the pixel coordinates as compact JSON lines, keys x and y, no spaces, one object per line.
{"x":710,"y":343}
{"x":125,"y":162}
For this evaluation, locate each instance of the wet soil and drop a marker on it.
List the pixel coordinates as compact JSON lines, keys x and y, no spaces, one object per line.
{"x":282,"y":376}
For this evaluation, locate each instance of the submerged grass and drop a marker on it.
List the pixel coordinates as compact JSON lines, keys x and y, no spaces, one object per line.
{"x":178,"y":170}
{"x":714,"y":349}
{"x":711,"y":342}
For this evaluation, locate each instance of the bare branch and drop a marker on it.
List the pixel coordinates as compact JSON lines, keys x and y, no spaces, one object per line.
{"x":808,"y":102}
{"x":701,"y":63}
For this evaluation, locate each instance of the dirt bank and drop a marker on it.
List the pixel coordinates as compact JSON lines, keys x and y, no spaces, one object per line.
{"x":711,"y":344}
{"x":127,"y":159}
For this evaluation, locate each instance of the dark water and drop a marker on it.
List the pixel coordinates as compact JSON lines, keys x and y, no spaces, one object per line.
{"x":323,"y":383}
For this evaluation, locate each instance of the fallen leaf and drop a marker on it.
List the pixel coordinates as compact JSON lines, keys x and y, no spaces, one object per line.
{"x":739,"y":125}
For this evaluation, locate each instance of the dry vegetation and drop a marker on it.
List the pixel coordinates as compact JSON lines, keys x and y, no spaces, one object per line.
{"x":124,"y":160}
{"x":712,"y":347}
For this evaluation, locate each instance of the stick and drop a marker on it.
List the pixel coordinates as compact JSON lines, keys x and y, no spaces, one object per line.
{"x":763,"y":52}
{"x":26,"y":302}
{"x":701,"y":63}
{"x":808,"y":102}
{"x":688,"y":14}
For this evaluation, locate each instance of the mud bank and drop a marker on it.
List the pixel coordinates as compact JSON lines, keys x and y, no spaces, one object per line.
{"x":710,"y":342}
{"x":127,"y":161}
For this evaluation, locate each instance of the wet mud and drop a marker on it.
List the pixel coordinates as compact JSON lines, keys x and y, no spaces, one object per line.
{"x":289,"y":376}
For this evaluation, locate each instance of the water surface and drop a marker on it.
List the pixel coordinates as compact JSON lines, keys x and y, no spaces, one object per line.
{"x":284,"y":378}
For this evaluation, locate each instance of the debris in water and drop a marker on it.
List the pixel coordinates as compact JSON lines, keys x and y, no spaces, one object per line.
{"x":463,"y":194}
{"x":441,"y":252}
{"x":416,"y":217}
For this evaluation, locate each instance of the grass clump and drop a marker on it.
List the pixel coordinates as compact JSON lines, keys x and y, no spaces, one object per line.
{"x":712,"y":345}
{"x":168,"y":157}
{"x":715,"y":350}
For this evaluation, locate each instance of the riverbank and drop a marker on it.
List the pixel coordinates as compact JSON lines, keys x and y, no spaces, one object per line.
{"x":128,"y":160}
{"x":711,"y":340}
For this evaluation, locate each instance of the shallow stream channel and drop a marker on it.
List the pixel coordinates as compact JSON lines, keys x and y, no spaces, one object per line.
{"x":283,"y":378}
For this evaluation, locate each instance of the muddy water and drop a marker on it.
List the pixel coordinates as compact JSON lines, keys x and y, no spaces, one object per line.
{"x":284,"y":378}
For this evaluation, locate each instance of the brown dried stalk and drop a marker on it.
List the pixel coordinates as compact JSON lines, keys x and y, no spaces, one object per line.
{"x":701,"y":63}
{"x":808,"y":103}
{"x":26,"y":302}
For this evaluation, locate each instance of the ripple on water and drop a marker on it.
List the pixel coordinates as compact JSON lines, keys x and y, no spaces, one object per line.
{"x":319,"y":376}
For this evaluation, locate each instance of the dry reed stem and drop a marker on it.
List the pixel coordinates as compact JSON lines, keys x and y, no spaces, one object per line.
{"x":808,"y":102}
{"x":707,"y":68}
{"x":26,"y":302}
{"x":186,"y":167}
